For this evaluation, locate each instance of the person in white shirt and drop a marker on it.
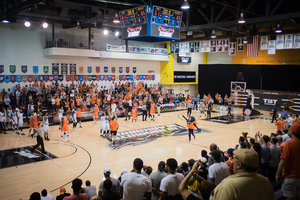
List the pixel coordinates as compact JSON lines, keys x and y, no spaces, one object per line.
{"x":18,"y":94}
{"x":169,"y":184}
{"x":20,"y":122}
{"x":285,"y":136}
{"x":218,"y":170}
{"x":14,"y":118}
{"x":46,"y":126}
{"x":45,"y":196}
{"x":114,"y":110}
{"x":134,"y":185}
{"x":290,"y":121}
{"x":274,"y":159}
{"x":2,"y":121}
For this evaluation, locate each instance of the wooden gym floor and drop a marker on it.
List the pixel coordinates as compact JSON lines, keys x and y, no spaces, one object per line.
{"x":87,"y":154}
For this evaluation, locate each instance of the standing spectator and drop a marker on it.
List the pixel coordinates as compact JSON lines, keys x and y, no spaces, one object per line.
{"x":45,"y":196}
{"x":265,"y":154}
{"x":290,"y":121}
{"x":115,"y":182}
{"x":76,"y":186}
{"x":107,"y":193}
{"x":274,"y":159}
{"x":18,"y":94}
{"x":190,"y":163}
{"x":218,"y":170}
{"x":6,"y":101}
{"x":288,"y":167}
{"x":134,"y":185}
{"x":90,"y":190}
{"x":156,"y":178}
{"x":213,"y":147}
{"x":284,"y":114}
{"x":62,"y":194}
{"x":278,"y":124}
{"x":169,"y":184}
{"x":114,"y":110}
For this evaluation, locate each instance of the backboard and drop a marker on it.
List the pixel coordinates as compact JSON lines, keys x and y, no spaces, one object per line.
{"x":237,"y":86}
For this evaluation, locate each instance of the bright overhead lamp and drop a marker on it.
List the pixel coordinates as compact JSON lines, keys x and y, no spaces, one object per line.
{"x":278,"y":28}
{"x":116,"y":19}
{"x":213,"y":34}
{"x":105,"y":32}
{"x":185,"y":5}
{"x":45,"y":25}
{"x":5,"y":21}
{"x":242,"y":19}
{"x":245,"y":41}
{"x":27,"y":24}
{"x":117,"y":33}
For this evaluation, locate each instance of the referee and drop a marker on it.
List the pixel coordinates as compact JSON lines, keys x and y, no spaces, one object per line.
{"x":144,"y":109}
{"x":190,"y":107}
{"x":39,"y":140}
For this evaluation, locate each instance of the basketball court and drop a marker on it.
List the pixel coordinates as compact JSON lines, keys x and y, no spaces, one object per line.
{"x":87,"y":154}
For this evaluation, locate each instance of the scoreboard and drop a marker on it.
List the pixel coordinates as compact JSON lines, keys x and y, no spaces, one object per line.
{"x":161,"y":23}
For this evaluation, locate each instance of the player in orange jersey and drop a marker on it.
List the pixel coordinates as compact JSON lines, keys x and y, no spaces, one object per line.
{"x":134,"y":114}
{"x":65,"y":127}
{"x":152,"y":111}
{"x":96,"y":114}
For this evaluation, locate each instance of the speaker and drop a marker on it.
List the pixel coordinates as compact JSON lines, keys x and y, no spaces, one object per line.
{"x":240,"y":76}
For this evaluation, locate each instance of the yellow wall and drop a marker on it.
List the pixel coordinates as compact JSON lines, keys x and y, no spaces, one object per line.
{"x":284,"y":56}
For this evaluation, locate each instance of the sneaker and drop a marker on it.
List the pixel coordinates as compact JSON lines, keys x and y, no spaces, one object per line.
{"x":66,"y":136}
{"x":114,"y":142}
{"x":69,"y":139}
{"x":58,"y":128}
{"x":32,"y":135}
{"x":48,"y":139}
{"x":22,"y":133}
{"x":28,"y":135}
{"x":80,"y":126}
{"x":18,"y":133}
{"x":13,"y":130}
{"x":61,"y":139}
{"x":75,"y":129}
{"x":4,"y":132}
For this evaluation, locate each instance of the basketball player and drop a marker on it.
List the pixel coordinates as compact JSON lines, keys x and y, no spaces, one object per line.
{"x":95,"y":114}
{"x":60,"y":115}
{"x":103,"y":125}
{"x":14,"y":118}
{"x":46,"y":126}
{"x":107,"y":119}
{"x":74,"y":119}
{"x":65,"y":127}
{"x":20,"y":122}
{"x":134,"y":115}
{"x":33,"y":124}
{"x":191,"y":124}
{"x":152,"y":111}
{"x":190,"y":106}
{"x":229,"y":109}
{"x":114,"y":126}
{"x":2,"y":121}
{"x":39,"y":140}
{"x":78,"y":116}
{"x":209,"y":108}
{"x":8,"y":116}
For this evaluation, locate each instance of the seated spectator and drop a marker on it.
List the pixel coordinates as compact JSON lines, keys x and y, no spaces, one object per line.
{"x":107,"y":193}
{"x":90,"y":190}
{"x":35,"y":196}
{"x":115,"y":182}
{"x":203,"y":172}
{"x":76,"y":186}
{"x":245,"y":183}
{"x":45,"y":196}
{"x":185,"y":167}
{"x":63,"y":194}
{"x":156,"y":178}
{"x":134,"y":185}
{"x":124,"y":171}
{"x":169,"y":184}
{"x":218,"y":170}
{"x":204,"y":154}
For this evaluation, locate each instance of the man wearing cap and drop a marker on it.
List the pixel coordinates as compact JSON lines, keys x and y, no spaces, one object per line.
{"x":245,"y":183}
{"x":115,"y":182}
{"x":76,"y":186}
{"x":218,"y":170}
{"x":156,"y":178}
{"x":288,"y":167}
{"x":62,"y":194}
{"x":230,"y":160}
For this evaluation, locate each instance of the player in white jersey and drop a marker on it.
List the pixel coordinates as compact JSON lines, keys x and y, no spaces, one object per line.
{"x":14,"y":120}
{"x":2,"y":120}
{"x":103,"y":125}
{"x":20,"y":122}
{"x":8,"y":116}
{"x":46,"y":126}
{"x":74,"y":119}
{"x":60,"y":114}
{"x":107,"y":122}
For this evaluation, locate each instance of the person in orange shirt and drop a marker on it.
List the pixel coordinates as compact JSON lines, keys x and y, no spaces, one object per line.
{"x":134,"y":115}
{"x":33,"y":121}
{"x":96,"y":114}
{"x":217,"y":98}
{"x":67,"y":105}
{"x":191,"y":125}
{"x":114,"y":126}
{"x":42,"y":84}
{"x":78,"y":102}
{"x":65,"y":128}
{"x":230,"y":160}
{"x":279,"y":124}
{"x":78,"y":116}
{"x":152,"y":111}
{"x":36,"y":84}
{"x":57,"y":103}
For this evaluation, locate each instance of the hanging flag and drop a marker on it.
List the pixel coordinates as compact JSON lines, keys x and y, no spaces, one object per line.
{"x":41,"y":78}
{"x":98,"y":69}
{"x":105,"y":69}
{"x":102,"y":77}
{"x":46,"y":69}
{"x":113,"y":70}
{"x":121,"y":69}
{"x":1,"y":78}
{"x":46,"y":78}
{"x":55,"y":77}
{"x":85,"y":77}
{"x":73,"y":69}
{"x":76,"y":77}
{"x":7,"y":78}
{"x":19,"y":78}
{"x":30,"y":78}
{"x":51,"y":78}
{"x":13,"y":78}
{"x":153,"y":77}
{"x":105,"y":77}
{"x":81,"y":69}
{"x":94,"y":77}
{"x":120,"y":77}
{"x":72,"y":78}
{"x":97,"y":77}
{"x":12,"y":68}
{"x":1,"y":68}
{"x":64,"y":68}
{"x":125,"y":77}
{"x":89,"y":69}
{"x":35,"y":69}
{"x":137,"y":77}
{"x":113,"y":77}
{"x":55,"y":68}
{"x":60,"y":77}
{"x":127,"y":69}
{"x":131,"y":77}
{"x":68,"y":78}
{"x":109,"y":77}
{"x":90,"y":78}
{"x":134,"y":70}
{"x":252,"y":46}
{"x":35,"y":78}
{"x":81,"y":78}
{"x":117,"y":77}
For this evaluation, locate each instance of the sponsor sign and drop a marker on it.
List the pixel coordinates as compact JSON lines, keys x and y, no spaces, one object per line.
{"x":110,"y":47}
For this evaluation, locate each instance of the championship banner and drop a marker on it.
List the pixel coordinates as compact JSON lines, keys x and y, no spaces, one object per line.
{"x":147,"y":77}
{"x":7,"y":78}
{"x":117,"y":77}
{"x":141,"y":77}
{"x":121,"y":69}
{"x":109,"y":77}
{"x":131,"y":77}
{"x":94,"y":78}
{"x":76,"y":77}
{"x":89,"y":69}
{"x":90,"y":78}
{"x":55,"y":68}
{"x":105,"y":69}
{"x":113,"y":70}
{"x":127,"y":77}
{"x":19,"y":78}
{"x":1,"y":78}
{"x":134,"y":70}
{"x":68,"y":78}
{"x":60,"y":77}
{"x":24,"y":78}
{"x":13,"y":78}
{"x":81,"y":69}
{"x":137,"y":77}
{"x":55,"y":78}
{"x":102,"y":77}
{"x":41,"y":78}
{"x":73,"y":69}
{"x":153,"y":77}
{"x":266,"y":100}
{"x":64,"y":68}
{"x":98,"y":69}
{"x":24,"y":68}
{"x":35,"y":69}
{"x":85,"y":77}
{"x":72,"y":78}
{"x":120,"y":77}
{"x":35,"y":78}
{"x":134,"y":77}
{"x":97,"y":77}
{"x":51,"y":78}
{"x":150,"y":77}
{"x":105,"y":77}
{"x":124,"y":77}
{"x":81,"y":78}
{"x":12,"y":68}
{"x":113,"y":77}
{"x":1,"y":69}
{"x":29,"y":78}
{"x":46,"y":78}
{"x":46,"y":69}
{"x":127,"y":69}
{"x":232,"y":48}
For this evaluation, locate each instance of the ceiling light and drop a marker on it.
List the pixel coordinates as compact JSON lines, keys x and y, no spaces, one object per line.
{"x":45,"y":25}
{"x":185,"y":5}
{"x":213,"y":34}
{"x":278,"y":28}
{"x":5,"y":21}
{"x":117,"y":33}
{"x":105,"y":32}
{"x":242,"y":19}
{"x":116,"y":19}
{"x":27,"y":24}
{"x":245,"y":41}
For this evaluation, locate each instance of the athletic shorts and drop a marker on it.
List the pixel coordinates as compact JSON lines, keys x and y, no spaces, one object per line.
{"x":2,"y":125}
{"x":79,"y":119}
{"x":58,"y":106}
{"x":291,"y":188}
{"x":113,"y":132}
{"x":21,"y":125}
